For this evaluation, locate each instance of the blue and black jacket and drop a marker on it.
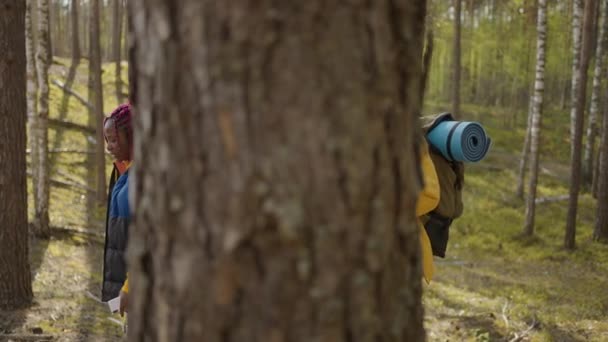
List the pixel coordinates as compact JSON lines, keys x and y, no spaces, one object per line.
{"x":117,"y":230}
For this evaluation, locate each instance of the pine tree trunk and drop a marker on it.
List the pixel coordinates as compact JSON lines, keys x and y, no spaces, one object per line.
{"x":15,"y":278}
{"x":116,"y":37}
{"x":601,"y":220}
{"x":291,"y":214}
{"x":75,"y":32}
{"x":577,"y":11}
{"x":598,"y":72}
{"x":537,"y":109}
{"x":41,"y":216}
{"x":456,"y":65}
{"x":32,"y":95}
{"x":96,"y":167}
{"x":577,"y":142}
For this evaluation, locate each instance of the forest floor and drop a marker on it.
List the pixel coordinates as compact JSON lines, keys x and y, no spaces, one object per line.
{"x":492,"y":286}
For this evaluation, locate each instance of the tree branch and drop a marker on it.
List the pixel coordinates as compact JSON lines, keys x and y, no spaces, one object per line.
{"x":71,"y":125}
{"x":65,"y":150}
{"x":73,"y":93}
{"x":67,"y":185}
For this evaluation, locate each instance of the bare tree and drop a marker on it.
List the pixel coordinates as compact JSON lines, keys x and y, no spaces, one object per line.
{"x":291,"y":216}
{"x":577,"y":13}
{"x":525,"y":154}
{"x":96,"y":167}
{"x":32,"y":94}
{"x":117,"y":14}
{"x":577,"y":143}
{"x":15,"y":278}
{"x":601,"y":219}
{"x":537,"y":109}
{"x":41,"y":216}
{"x":75,"y":32}
{"x":598,"y":71}
{"x":457,"y":52}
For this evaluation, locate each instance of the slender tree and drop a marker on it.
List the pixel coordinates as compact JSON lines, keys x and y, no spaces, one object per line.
{"x":577,"y":13}
{"x":598,"y":71}
{"x":456,"y":62}
{"x":291,"y":216}
{"x":96,"y":99}
{"x":32,"y":95}
{"x":117,"y":14}
{"x":15,"y":278}
{"x":75,"y":31}
{"x":537,"y":109}
{"x":525,"y":153}
{"x":577,"y":143}
{"x":601,"y":219}
{"x":41,"y":216}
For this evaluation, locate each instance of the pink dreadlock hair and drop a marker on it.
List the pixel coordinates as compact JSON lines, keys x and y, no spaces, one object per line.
{"x":121,"y":117}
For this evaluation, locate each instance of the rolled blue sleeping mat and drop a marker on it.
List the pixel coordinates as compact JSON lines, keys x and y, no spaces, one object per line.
{"x":461,"y":141}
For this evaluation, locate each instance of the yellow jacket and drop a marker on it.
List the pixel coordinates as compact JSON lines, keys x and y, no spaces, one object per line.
{"x":428,"y":199}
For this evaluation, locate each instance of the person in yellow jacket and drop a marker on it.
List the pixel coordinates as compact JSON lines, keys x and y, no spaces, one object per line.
{"x":428,"y":199}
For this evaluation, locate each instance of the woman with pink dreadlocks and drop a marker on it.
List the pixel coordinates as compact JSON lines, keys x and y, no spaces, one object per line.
{"x":118,"y":133}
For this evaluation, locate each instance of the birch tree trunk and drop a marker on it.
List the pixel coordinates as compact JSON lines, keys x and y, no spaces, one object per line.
{"x":537,"y":109}
{"x":598,"y":71}
{"x":15,"y":278}
{"x":577,"y":13}
{"x":41,"y":216}
{"x":577,"y":143}
{"x":291,"y":216}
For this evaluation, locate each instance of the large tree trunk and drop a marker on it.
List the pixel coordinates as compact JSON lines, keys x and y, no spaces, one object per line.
{"x":32,"y":94}
{"x":41,"y":216}
{"x":537,"y":109}
{"x":601,"y":221}
{"x":15,"y":278}
{"x":116,"y":40}
{"x":75,"y":32}
{"x":577,"y":11}
{"x":456,"y":62}
{"x":97,"y":173}
{"x":577,"y":142}
{"x":598,"y":72}
{"x":291,"y":216}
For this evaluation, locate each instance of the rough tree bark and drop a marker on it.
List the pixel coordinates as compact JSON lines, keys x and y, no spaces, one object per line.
{"x":456,"y":66}
{"x":577,"y":142}
{"x":291,"y":214}
{"x":41,"y":215}
{"x":97,"y":170}
{"x":537,"y":109}
{"x":15,"y":278}
{"x":117,"y":14}
{"x":598,"y":71}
